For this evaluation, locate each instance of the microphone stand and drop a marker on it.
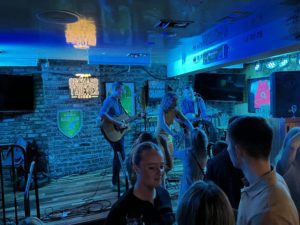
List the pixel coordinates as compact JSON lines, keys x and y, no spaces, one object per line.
{"x":197,"y":96}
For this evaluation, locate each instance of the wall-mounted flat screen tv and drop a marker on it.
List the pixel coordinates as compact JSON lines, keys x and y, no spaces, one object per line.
{"x":259,"y":94}
{"x":220,"y":87}
{"x":16,"y":93}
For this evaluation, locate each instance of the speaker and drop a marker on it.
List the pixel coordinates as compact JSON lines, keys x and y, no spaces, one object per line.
{"x":285,"y":94}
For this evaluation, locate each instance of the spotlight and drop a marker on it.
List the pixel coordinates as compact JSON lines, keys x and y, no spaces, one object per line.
{"x":271,"y":65}
{"x":257,"y":66}
{"x":283,"y":62}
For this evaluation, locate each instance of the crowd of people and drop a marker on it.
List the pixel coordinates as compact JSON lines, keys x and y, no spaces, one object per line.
{"x":237,"y":184}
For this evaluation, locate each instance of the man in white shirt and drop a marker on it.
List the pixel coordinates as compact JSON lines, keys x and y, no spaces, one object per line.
{"x":266,"y":200}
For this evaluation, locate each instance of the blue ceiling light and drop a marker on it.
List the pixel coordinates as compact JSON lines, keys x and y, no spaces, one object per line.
{"x":271,"y":65}
{"x":257,"y":66}
{"x":283,"y":62}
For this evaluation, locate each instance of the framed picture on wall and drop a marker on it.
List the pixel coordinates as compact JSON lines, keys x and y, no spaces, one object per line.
{"x":127,"y":98}
{"x":157,"y":89}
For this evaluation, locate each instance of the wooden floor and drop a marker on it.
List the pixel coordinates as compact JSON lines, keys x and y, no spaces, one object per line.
{"x":78,"y":199}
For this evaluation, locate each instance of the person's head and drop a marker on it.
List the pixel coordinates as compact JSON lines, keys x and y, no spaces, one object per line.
{"x":204,"y":203}
{"x":199,"y":142}
{"x":249,"y":137}
{"x":169,"y":101}
{"x":188,"y":92}
{"x":148,"y":164}
{"x":290,"y":134}
{"x":145,"y":136}
{"x":218,"y":147}
{"x":233,"y":118}
{"x":117,"y":88}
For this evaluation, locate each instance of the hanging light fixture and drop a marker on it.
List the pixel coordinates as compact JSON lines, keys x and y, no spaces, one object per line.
{"x":84,"y":86}
{"x":81,"y":34}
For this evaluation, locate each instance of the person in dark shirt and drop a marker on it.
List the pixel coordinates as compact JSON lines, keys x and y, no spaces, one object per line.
{"x":221,"y":171}
{"x":147,"y":203}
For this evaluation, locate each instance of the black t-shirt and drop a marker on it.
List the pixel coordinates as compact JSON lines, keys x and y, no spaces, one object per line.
{"x":221,"y":171}
{"x":131,"y":210}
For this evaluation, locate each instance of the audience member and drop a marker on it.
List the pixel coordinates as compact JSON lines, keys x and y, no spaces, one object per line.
{"x":147,"y":202}
{"x":289,"y":164}
{"x":194,"y":160}
{"x":266,"y":200}
{"x":220,"y":170}
{"x":204,"y":203}
{"x":143,"y":137}
{"x":218,"y":147}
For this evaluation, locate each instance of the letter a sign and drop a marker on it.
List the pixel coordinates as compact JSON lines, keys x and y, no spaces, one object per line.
{"x":69,"y":122}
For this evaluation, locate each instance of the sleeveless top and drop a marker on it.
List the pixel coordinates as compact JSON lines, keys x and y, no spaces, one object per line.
{"x":169,"y":119}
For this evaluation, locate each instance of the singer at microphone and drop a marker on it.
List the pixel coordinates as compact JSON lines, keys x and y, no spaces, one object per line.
{"x":193,"y":107}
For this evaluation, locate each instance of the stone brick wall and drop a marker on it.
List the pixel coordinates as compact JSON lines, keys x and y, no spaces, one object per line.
{"x":87,"y":151}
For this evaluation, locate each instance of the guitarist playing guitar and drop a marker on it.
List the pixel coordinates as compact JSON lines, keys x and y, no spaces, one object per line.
{"x":193,"y":107}
{"x":113,"y":124}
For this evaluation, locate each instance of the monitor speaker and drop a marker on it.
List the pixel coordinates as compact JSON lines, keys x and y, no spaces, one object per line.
{"x":285,"y":94}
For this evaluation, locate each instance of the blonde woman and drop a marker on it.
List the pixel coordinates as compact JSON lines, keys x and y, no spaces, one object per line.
{"x":194,"y":160}
{"x":147,"y":202}
{"x":167,"y":114}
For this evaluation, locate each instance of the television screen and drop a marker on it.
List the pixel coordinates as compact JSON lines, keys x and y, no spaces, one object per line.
{"x":258,"y":94}
{"x":223,"y":87}
{"x":16,"y":93}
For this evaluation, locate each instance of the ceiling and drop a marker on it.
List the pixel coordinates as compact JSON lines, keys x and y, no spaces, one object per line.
{"x":125,"y":29}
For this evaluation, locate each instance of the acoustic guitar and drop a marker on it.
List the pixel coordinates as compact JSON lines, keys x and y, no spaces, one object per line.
{"x":199,"y":120}
{"x":114,"y":133}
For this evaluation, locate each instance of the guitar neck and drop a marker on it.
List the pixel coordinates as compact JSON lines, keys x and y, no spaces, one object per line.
{"x":130,"y":119}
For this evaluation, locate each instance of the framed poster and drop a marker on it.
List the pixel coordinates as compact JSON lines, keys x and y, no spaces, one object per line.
{"x":127,"y":98}
{"x":157,"y":89}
